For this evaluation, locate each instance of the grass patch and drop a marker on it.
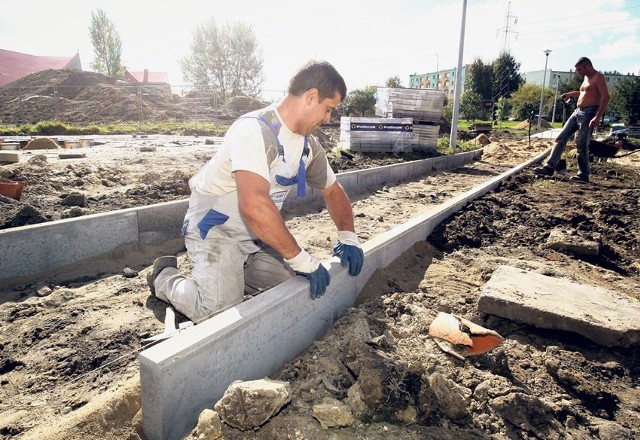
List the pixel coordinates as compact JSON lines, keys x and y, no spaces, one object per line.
{"x":443,"y":147}
{"x":541,"y":182}
{"x":55,"y":128}
{"x":499,"y":125}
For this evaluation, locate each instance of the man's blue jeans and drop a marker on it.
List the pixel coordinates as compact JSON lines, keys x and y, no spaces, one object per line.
{"x":578,"y":123}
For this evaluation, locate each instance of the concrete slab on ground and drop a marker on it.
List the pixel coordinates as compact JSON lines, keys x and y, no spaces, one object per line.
{"x":604,"y":316}
{"x":551,"y":133}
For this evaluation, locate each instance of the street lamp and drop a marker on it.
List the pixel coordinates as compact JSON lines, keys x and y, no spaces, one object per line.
{"x":453,"y":137}
{"x":544,"y":78}
{"x":555,"y":99}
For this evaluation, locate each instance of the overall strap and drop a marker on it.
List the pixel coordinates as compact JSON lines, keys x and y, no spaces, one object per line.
{"x":271,"y":122}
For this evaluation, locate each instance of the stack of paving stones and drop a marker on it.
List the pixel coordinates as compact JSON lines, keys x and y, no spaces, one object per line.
{"x":408,"y":120}
{"x":424,"y":106}
{"x":377,"y":135}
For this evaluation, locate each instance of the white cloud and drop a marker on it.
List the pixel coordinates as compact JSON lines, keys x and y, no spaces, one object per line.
{"x":368,"y":41}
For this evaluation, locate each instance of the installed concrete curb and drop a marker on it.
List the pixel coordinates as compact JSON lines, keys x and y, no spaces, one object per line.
{"x":604,"y":316}
{"x":31,"y":250}
{"x":34,"y":251}
{"x":190,"y":372}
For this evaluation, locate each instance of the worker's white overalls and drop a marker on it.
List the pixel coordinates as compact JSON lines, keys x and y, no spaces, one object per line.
{"x":227,"y":258}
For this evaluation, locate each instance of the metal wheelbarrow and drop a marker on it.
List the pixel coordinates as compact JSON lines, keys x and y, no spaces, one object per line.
{"x":606,"y":151}
{"x":601,"y":149}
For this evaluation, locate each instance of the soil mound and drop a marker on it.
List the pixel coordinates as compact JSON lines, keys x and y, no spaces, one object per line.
{"x":482,"y":139}
{"x":243,"y":104}
{"x":41,"y":144}
{"x":77,"y":97}
{"x":497,"y":151}
{"x":531,"y":122}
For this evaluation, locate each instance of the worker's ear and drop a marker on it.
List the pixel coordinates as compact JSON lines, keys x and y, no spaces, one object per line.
{"x":312,"y":95}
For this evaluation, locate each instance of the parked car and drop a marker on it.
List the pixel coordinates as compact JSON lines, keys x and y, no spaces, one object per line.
{"x":631,"y":131}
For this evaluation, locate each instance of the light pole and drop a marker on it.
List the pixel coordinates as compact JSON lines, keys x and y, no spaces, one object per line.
{"x":555,"y":99}
{"x":544,"y":78}
{"x":453,"y":137}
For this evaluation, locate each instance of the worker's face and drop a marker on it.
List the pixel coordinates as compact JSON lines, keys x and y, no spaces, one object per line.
{"x":319,"y":110}
{"x":581,"y":69}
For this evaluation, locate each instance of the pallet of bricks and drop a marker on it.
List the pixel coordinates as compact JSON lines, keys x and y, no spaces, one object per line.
{"x":424,"y":106}
{"x":376,"y":135}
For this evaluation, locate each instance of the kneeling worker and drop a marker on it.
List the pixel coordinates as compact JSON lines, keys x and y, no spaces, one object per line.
{"x":234,"y":233}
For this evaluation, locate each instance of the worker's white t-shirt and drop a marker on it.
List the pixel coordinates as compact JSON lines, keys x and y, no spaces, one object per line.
{"x":243,"y":148}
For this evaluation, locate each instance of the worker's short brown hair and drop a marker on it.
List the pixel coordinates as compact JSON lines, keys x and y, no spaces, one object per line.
{"x":319,"y":75}
{"x":584,"y":61}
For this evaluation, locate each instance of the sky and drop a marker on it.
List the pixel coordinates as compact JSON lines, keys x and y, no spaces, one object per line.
{"x":367,"y":41}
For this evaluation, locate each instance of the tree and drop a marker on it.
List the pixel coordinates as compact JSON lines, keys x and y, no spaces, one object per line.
{"x":225,"y":60}
{"x":573,"y":84}
{"x":568,"y":86}
{"x":480,"y":79}
{"x":507,"y":78}
{"x":503,"y":108}
{"x":625,"y":100}
{"x":361,"y":102}
{"x":526,"y":101}
{"x":394,"y":82}
{"x":107,"y":45}
{"x":471,"y":106}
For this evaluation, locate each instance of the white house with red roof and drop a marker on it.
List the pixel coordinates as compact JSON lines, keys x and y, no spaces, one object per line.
{"x":16,"y":65}
{"x":158,"y":80}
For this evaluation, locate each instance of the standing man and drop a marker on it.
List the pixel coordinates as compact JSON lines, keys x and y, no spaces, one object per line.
{"x":234,"y":233}
{"x":593,"y":98}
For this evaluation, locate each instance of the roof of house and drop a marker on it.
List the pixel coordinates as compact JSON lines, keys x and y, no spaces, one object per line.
{"x":15,"y":65}
{"x":152,"y":77}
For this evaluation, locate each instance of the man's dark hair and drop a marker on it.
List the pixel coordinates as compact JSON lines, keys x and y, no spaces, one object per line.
{"x":319,"y":75}
{"x":584,"y":61}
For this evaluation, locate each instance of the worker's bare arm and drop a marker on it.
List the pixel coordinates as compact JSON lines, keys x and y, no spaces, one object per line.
{"x":262,"y":215}
{"x":339,"y":207}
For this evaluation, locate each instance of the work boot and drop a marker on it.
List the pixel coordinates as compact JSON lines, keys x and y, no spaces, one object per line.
{"x":545,"y":170}
{"x":561,"y":168}
{"x":159,"y":264}
{"x":579,"y":178}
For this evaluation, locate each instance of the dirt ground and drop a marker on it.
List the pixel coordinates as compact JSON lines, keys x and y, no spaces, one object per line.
{"x":68,"y":365}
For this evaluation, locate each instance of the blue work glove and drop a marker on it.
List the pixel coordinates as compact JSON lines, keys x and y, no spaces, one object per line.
{"x":309,"y":267}
{"x":349,"y":250}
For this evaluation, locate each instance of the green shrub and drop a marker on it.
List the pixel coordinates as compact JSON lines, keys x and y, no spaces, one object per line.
{"x":54,"y":128}
{"x":49,"y":128}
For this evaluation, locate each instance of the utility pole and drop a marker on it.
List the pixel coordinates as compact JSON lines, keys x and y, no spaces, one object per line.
{"x":508,"y":18}
{"x":500,"y":83}
{"x":453,"y":138}
{"x":544,"y":78}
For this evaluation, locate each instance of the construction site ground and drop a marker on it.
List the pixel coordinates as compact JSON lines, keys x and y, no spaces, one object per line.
{"x":68,"y":364}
